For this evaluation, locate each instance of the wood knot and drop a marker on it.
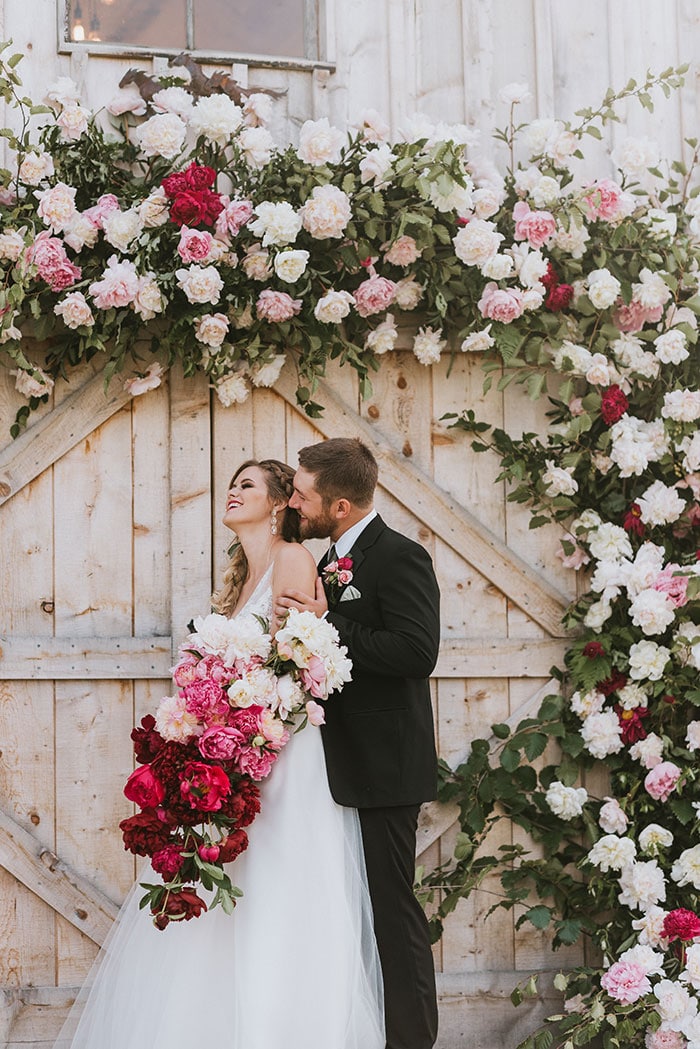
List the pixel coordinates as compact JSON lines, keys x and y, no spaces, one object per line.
{"x":80,"y":913}
{"x":402,"y":382}
{"x":35,"y":817}
{"x":49,"y":607}
{"x":49,"y":859}
{"x":373,"y":411}
{"x":407,"y":449}
{"x":5,"y":489}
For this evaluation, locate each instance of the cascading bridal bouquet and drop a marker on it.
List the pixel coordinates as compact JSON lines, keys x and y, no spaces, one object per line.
{"x":240,"y":696}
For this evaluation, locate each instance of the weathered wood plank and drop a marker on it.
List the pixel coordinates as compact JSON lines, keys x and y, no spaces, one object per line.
{"x":47,"y":440}
{"x":53,"y":881}
{"x":450,"y":521}
{"x":67,"y":658}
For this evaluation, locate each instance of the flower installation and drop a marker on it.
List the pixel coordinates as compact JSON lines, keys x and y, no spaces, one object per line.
{"x":240,"y":695}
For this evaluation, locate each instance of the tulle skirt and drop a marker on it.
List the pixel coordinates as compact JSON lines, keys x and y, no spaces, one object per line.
{"x":294,"y":967}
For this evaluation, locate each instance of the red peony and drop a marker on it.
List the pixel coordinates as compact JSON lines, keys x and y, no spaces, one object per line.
{"x":243,"y":805}
{"x":179,"y":906}
{"x":613,"y":405}
{"x":550,"y":278}
{"x":204,"y":786}
{"x":631,"y":723}
{"x":633,"y":521}
{"x":681,"y":924}
{"x":611,"y":684}
{"x":593,"y":650}
{"x":233,"y":846}
{"x":559,"y":297}
{"x":196,"y":177}
{"x":144,"y":833}
{"x":344,"y":564}
{"x":144,"y":788}
{"x":147,"y":741}
{"x":188,"y":209}
{"x":167,"y":861}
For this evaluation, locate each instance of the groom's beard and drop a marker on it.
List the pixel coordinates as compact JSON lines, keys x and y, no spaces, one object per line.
{"x":319,"y":527}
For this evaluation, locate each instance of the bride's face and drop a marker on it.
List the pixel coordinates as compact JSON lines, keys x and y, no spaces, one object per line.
{"x":248,"y":501}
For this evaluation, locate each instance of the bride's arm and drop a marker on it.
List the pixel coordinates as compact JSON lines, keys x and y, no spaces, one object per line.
{"x":294,"y":569}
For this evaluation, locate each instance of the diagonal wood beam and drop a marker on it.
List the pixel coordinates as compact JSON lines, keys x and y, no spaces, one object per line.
{"x":56,"y":433}
{"x":53,"y":881}
{"x":436,"y":818}
{"x":454,"y":525}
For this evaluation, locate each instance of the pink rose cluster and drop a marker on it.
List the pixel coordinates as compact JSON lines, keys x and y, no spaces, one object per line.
{"x":49,"y":256}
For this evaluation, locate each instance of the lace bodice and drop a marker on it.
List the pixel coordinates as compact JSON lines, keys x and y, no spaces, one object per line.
{"x":260,"y":601}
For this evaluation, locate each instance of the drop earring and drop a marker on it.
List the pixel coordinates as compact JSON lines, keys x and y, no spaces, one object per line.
{"x":273,"y":522}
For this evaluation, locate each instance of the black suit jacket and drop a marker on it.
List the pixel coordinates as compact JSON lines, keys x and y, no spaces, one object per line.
{"x":378,"y":738}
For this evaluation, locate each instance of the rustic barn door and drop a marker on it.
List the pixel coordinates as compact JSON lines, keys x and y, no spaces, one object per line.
{"x":109,"y":508}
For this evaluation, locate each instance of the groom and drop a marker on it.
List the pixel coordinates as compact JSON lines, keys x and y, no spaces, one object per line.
{"x":378,"y":737}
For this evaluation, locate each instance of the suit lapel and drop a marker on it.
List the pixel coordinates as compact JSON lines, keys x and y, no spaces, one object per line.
{"x":368,"y":536}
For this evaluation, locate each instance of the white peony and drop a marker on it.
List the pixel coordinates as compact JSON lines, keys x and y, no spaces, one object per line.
{"x":498,"y":267}
{"x":652,"y":611}
{"x":257,"y":145}
{"x":686,"y":869}
{"x":660,"y":504}
{"x":692,"y":735}
{"x":332,"y":307}
{"x":428,"y":345}
{"x":690,"y":446}
{"x":648,"y":660}
{"x":75,"y":311}
{"x":56,"y":206}
{"x":650,"y":927}
{"x":217,"y":118}
{"x":612,"y":818}
{"x":586,"y":522}
{"x":319,"y":143}
{"x":531,"y":266}
{"x":648,"y":752}
{"x":609,"y":578}
{"x":268,"y":373}
{"x":277,"y":224}
{"x":601,"y":372}
{"x":73,"y":122}
{"x":559,"y":480}
{"x":566,"y":802}
{"x":478,"y":341}
{"x":256,"y":263}
{"x":597,"y":615}
{"x":326,"y":213}
{"x":11,"y":244}
{"x":173,"y":100}
{"x":515,"y":94}
{"x":661,"y":224}
{"x":687,"y":644}
{"x":149,"y":299}
{"x":408,"y":293}
{"x":211,"y":329}
{"x":477,"y":242}
{"x":573,"y":240}
{"x":603,"y":288}
{"x":609,"y":542}
{"x":671,"y":347}
{"x":63,"y":92}
{"x":635,"y":155}
{"x":648,"y":562}
{"x":122,"y":227}
{"x":652,"y":290}
{"x":691,"y":973}
{"x":376,"y":164}
{"x":257,"y":108}
{"x":155,"y":209}
{"x":458,"y":199}
{"x":643,"y":885}
{"x":612,"y":853}
{"x":602,"y":734}
{"x":675,"y":1006}
{"x":291,"y":264}
{"x":161,"y":136}
{"x":36,"y":166}
{"x":80,"y":232}
{"x":200,"y":283}
{"x":383,"y":338}
{"x":572,"y":358}
{"x":655,"y":837}
{"x":645,"y":956}
{"x":632,"y":696}
{"x":232,"y":389}
{"x":682,"y":405}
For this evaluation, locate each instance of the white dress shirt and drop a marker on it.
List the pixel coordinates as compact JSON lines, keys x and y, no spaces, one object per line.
{"x":345,"y":543}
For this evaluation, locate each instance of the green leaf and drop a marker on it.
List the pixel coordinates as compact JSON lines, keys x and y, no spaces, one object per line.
{"x":539,"y":916}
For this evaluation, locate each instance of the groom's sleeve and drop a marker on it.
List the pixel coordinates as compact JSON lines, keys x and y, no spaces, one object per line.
{"x":406,"y":645}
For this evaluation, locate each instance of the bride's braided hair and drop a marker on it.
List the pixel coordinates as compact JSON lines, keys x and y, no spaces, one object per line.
{"x":279,"y":479}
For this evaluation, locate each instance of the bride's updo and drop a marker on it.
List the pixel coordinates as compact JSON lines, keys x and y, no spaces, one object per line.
{"x":279,"y":479}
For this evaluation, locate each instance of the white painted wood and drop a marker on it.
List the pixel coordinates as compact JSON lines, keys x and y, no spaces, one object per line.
{"x":67,"y":658}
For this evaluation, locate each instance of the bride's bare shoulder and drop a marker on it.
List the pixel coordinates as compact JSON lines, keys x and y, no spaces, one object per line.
{"x":293,"y":556}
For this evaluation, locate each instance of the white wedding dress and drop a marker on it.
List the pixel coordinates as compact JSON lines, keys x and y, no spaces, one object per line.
{"x":294,"y":967}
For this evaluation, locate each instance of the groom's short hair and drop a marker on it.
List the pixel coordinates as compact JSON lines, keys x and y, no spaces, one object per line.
{"x":343,"y":468}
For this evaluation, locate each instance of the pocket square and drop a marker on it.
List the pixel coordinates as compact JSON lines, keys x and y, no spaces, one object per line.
{"x":349,"y":594}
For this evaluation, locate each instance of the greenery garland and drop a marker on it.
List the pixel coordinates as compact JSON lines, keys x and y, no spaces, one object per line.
{"x":188,"y":236}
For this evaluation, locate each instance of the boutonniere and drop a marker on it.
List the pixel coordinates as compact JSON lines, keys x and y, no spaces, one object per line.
{"x":336,"y":575}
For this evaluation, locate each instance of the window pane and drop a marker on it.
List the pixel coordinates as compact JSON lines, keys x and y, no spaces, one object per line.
{"x":255,"y":27}
{"x":148,"y":23}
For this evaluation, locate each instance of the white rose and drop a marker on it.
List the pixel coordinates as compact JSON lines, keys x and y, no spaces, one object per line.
{"x":75,"y":310}
{"x":601,"y":372}
{"x":671,"y":347}
{"x":277,"y":224}
{"x":80,"y":232}
{"x":268,"y":373}
{"x":597,"y":615}
{"x":686,"y":869}
{"x":155,"y":209}
{"x":127,"y":100}
{"x":200,"y":283}
{"x":636,"y":155}
{"x":121,"y":227}
{"x":408,"y":293}
{"x":691,"y":447}
{"x":257,"y":109}
{"x":603,"y":288}
{"x":691,"y":973}
{"x":562,"y":145}
{"x":608,"y":579}
{"x":532,"y":298}
{"x":648,"y":562}
{"x":660,"y":504}
{"x":682,"y":405}
{"x":514,"y":94}
{"x":333,"y":307}
{"x":371,"y":126}
{"x":652,"y":611}
{"x":63,"y":92}
{"x":643,"y":885}
{"x":173,"y":100}
{"x":289,"y":265}
{"x":559,"y":480}
{"x":537,"y":132}
{"x":35,"y":167}
{"x":486,"y":200}
{"x":34,"y":383}
{"x":11,"y":245}
{"x":326,"y":213}
{"x":148,"y":300}
{"x":650,"y":927}
{"x":572,"y":358}
{"x":478,"y":341}
{"x":161,"y":136}
{"x":319,"y":143}
{"x":573,"y":240}
{"x":675,"y":1005}
{"x":73,"y":122}
{"x":383,"y":338}
{"x":650,"y":960}
{"x":531,"y":266}
{"x":217,"y":118}
{"x":257,"y":145}
{"x":140,"y":384}
{"x":458,"y":199}
{"x":498,"y":267}
{"x":256,"y":263}
{"x":632,"y":696}
{"x":648,"y":752}
{"x":687,"y":644}
{"x":211,"y":329}
{"x":612,"y":818}
{"x":587,"y":703}
{"x":56,"y":206}
{"x":662,"y":224}
{"x":428,"y":345}
{"x":232,"y":390}
{"x":601,"y":734}
{"x":609,"y":542}
{"x":566,"y":802}
{"x":376,"y":164}
{"x":652,"y":290}
{"x":655,"y":837}
{"x":612,"y":853}
{"x":692,"y":735}
{"x":477,"y":242}
{"x":586,"y":522}
{"x":648,"y":660}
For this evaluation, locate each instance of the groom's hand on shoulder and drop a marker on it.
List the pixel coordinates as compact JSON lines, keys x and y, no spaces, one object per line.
{"x":301,"y":601}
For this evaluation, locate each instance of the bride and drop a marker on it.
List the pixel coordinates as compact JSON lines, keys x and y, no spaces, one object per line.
{"x":296,"y":965}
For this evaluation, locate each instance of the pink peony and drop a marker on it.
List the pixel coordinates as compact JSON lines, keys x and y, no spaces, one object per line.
{"x":663,"y":1039}
{"x":626,"y":982}
{"x":204,"y":786}
{"x":119,"y":284}
{"x":204,"y":698}
{"x":402,"y":252}
{"x":676,"y":586}
{"x":374,"y":295}
{"x":277,"y":306}
{"x":315,"y":713}
{"x":213,"y":667}
{"x":536,"y":227}
{"x":246,"y":720}
{"x":632,"y":318}
{"x":661,"y":781}
{"x":167,"y":861}
{"x":106,"y":203}
{"x":220,"y":743}
{"x":194,"y":244}
{"x":209,"y":853}
{"x":313,"y":678}
{"x":500,"y":304}
{"x":185,"y":671}
{"x":144,"y":788}
{"x":234,"y":216}
{"x":48,"y":254}
{"x":256,"y":763}
{"x":602,"y":199}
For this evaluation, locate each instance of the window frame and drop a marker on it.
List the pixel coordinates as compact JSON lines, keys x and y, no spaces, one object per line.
{"x":316,"y":39}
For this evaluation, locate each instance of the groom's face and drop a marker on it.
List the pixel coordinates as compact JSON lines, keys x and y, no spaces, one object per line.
{"x":316,"y":518}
